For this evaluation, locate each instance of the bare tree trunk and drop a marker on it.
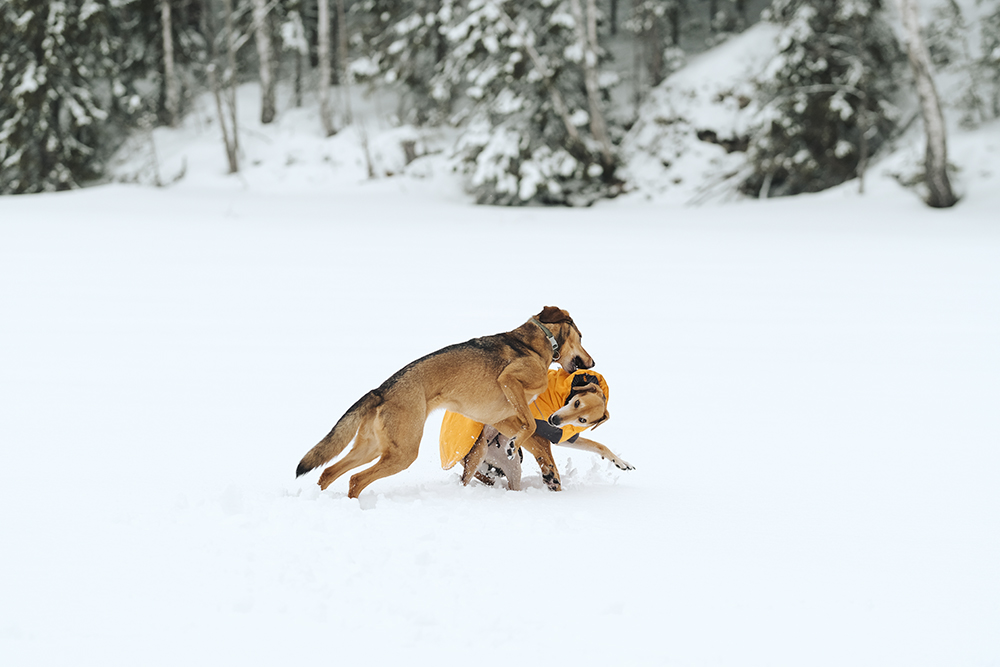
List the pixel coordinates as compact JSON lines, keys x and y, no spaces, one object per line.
{"x":227,"y":139}
{"x":173,"y":97}
{"x":440,"y":41}
{"x":863,"y":149}
{"x":587,"y":31}
{"x":230,"y":78}
{"x":342,"y":59}
{"x":741,"y":12}
{"x":224,"y":90}
{"x":323,"y":48}
{"x":265,"y":59}
{"x":654,"y":49}
{"x":675,"y":24}
{"x":936,"y":166}
{"x":298,"y":79}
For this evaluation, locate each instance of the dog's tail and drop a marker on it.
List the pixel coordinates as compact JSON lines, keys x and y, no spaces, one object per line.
{"x":341,"y":434}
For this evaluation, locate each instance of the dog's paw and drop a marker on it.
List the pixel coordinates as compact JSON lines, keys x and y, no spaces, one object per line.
{"x":552,"y":482}
{"x":623,"y":465}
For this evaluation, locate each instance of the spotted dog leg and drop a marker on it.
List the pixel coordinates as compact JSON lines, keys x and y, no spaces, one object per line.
{"x":493,"y":456}
{"x":505,"y":456}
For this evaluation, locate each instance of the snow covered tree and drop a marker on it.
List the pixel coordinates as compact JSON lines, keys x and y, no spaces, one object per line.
{"x":403,"y":42}
{"x":727,"y":17}
{"x":536,"y":130}
{"x":163,"y":64}
{"x":652,"y":21}
{"x":966,"y":58}
{"x":989,"y":62}
{"x":59,"y":90}
{"x":293,"y":38}
{"x":826,"y":99}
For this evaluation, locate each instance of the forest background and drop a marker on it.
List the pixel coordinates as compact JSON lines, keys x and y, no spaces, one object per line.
{"x":550,"y":102}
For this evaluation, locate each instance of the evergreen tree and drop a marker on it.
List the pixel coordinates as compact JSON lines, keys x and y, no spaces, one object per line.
{"x":652,"y":21}
{"x":826,"y":97}
{"x":403,"y":42}
{"x":141,"y":45}
{"x":59,"y":91}
{"x":529,"y":71}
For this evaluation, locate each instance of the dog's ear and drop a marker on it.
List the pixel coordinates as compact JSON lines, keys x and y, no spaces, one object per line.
{"x":553,"y":315}
{"x":600,"y":421}
{"x":588,"y":389}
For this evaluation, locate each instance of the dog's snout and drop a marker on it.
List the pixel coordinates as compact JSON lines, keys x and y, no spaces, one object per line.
{"x":555,"y":420}
{"x":580,"y":363}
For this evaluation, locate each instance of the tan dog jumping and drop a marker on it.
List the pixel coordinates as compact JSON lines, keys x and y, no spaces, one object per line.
{"x":490,"y":379}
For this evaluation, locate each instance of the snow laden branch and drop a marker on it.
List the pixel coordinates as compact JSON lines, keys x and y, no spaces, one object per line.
{"x":558,"y":103}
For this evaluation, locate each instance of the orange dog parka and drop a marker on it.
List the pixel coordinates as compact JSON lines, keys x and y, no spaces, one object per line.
{"x":459,"y":433}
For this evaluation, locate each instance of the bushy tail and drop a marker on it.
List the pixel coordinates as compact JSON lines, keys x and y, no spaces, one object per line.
{"x":341,"y":435}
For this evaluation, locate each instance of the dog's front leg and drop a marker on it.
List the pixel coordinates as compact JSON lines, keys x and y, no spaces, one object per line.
{"x":601,"y":450}
{"x":521,"y":425}
{"x":541,"y":449}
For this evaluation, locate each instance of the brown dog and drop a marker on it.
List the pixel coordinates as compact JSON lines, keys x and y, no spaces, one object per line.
{"x":490,"y":379}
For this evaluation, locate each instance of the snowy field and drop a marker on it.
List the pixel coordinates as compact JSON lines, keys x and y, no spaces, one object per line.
{"x":808,"y":388}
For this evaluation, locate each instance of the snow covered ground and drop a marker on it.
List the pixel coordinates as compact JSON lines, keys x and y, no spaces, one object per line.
{"x":808,"y":388}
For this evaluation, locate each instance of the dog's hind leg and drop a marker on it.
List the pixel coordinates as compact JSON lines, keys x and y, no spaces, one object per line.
{"x":400,"y":438}
{"x":394,"y":459}
{"x":365,"y":450}
{"x":476,"y":455}
{"x":507,"y":458}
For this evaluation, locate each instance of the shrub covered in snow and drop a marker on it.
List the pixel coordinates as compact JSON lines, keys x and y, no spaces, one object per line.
{"x":826,"y":99}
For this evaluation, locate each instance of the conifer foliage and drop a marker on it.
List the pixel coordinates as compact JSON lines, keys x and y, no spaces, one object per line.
{"x":58,"y":90}
{"x":405,"y":42}
{"x":536,"y":132}
{"x":827,"y":97}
